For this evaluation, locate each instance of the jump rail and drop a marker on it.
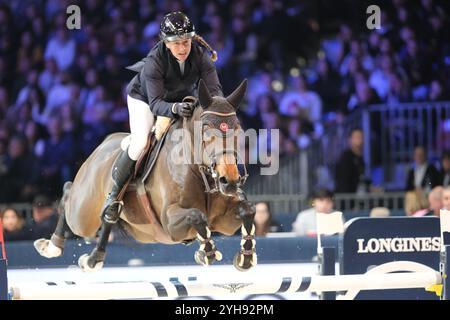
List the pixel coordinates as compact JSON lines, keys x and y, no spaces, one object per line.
{"x":431,"y":280}
{"x":270,"y":285}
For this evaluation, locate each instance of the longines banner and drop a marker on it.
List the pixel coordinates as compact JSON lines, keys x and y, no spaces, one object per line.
{"x":369,"y":242}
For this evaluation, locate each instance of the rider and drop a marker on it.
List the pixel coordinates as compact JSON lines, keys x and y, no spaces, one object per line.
{"x":170,"y":72}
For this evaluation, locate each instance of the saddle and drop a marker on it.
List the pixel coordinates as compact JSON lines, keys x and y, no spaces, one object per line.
{"x":143,"y":168}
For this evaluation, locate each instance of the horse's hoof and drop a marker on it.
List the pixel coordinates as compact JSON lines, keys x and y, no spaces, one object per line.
{"x":200,"y":258}
{"x":47,"y":249}
{"x":244,"y":263}
{"x":84,"y":265}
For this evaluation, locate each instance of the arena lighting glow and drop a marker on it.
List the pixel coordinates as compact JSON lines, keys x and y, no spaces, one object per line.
{"x":294,"y":72}
{"x":277,"y":85}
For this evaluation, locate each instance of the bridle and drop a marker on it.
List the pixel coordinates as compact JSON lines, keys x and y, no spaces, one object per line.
{"x":211,"y":168}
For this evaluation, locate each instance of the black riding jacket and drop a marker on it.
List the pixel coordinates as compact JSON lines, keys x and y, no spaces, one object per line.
{"x":159,"y":82}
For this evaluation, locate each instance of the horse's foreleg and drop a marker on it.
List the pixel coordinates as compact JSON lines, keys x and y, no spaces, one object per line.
{"x":55,"y":246}
{"x":94,"y":260}
{"x":181,"y":221}
{"x":246,"y":257}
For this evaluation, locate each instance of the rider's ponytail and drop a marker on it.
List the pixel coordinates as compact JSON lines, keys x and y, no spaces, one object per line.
{"x":207,"y":46}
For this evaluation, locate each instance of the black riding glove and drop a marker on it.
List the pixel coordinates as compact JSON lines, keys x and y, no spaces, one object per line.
{"x":183,"y":109}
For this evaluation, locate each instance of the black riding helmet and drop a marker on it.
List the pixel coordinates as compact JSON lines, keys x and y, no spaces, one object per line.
{"x":176,"y":26}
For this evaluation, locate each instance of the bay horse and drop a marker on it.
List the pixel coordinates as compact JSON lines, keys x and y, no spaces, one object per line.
{"x":183,"y":210}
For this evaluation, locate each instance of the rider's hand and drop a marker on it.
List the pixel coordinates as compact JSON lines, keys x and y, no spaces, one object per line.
{"x":183,"y":109}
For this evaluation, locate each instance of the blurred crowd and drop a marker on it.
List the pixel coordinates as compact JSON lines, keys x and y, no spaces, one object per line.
{"x":309,"y":64}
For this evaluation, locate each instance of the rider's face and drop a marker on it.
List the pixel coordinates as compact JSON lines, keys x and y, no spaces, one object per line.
{"x":180,"y":48}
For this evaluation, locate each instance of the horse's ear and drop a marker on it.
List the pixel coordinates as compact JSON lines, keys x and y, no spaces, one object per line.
{"x":236,"y":97}
{"x":203,"y":94}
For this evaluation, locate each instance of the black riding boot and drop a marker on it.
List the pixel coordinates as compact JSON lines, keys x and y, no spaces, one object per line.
{"x":122,"y":170}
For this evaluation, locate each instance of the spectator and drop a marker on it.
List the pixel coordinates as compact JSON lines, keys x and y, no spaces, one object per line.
{"x":20,"y":170}
{"x":61,"y":48}
{"x":49,"y":76}
{"x":379,"y":212}
{"x":56,"y":157}
{"x":44,"y":220}
{"x":350,"y":167}
{"x":244,"y":52}
{"x":304,"y":99}
{"x":446,"y":198}
{"x":263,"y":220}
{"x":364,"y":95}
{"x":57,"y":96}
{"x":415,"y":203}
{"x":422,"y":175}
{"x":437,"y":91}
{"x":13,"y":225}
{"x":444,"y":173}
{"x":434,"y":203}
{"x":398,"y":89}
{"x":327,"y":86}
{"x":379,"y":79}
{"x":305,"y":223}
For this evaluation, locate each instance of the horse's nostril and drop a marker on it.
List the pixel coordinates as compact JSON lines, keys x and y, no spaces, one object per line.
{"x":223,"y":180}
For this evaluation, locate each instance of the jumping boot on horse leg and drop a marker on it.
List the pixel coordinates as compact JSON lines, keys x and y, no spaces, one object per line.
{"x":207,"y":252}
{"x":94,"y":261}
{"x":122,"y":170}
{"x":246,"y":257}
{"x":55,"y":246}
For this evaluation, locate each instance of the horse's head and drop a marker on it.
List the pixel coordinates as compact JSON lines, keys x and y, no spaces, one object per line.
{"x":219,"y":126}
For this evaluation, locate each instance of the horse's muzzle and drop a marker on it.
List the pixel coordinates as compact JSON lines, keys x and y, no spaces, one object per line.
{"x":228,"y":188}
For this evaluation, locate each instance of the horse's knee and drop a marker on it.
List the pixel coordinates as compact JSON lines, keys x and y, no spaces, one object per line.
{"x":247,"y":209}
{"x":196,"y":218}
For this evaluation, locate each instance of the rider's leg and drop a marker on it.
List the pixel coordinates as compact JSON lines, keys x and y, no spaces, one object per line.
{"x":141,"y":122}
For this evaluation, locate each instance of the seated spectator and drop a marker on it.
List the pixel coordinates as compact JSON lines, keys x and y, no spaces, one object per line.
{"x":44,"y":220}
{"x":422,"y":175}
{"x":434,"y":203}
{"x":21,"y":169}
{"x":398,"y":89}
{"x":13,"y":225}
{"x":446,"y":198}
{"x":301,"y":98}
{"x":379,"y":79}
{"x":444,"y":173}
{"x":379,"y":212}
{"x":62,"y":48}
{"x":437,"y":91}
{"x":364,"y":95}
{"x":415,"y":203}
{"x":327,"y":86}
{"x":263,"y":220}
{"x":306,"y":224}
{"x":56,"y":157}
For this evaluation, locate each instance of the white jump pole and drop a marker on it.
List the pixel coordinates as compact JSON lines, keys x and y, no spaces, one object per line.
{"x":267,"y":285}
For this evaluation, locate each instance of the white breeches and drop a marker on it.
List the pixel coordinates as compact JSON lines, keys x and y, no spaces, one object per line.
{"x":141,"y":122}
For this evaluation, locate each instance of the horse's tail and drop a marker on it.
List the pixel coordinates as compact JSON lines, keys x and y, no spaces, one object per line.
{"x":66,"y":189}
